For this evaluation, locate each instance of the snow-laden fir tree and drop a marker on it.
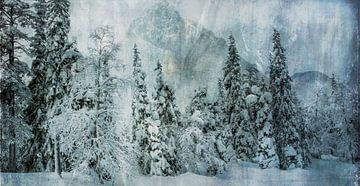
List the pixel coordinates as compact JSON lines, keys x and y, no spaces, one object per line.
{"x":61,"y":55}
{"x":224,"y":143}
{"x":303,"y":130}
{"x":36,"y":111}
{"x":266,"y":149}
{"x":247,"y":129}
{"x":157,"y":147}
{"x":198,"y":102}
{"x":237,"y":116}
{"x":287,"y":138}
{"x":199,"y":151}
{"x":14,"y":93}
{"x":164,"y":103}
{"x":140,"y":112}
{"x":87,"y":127}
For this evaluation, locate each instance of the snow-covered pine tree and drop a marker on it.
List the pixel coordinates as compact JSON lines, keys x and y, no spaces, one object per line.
{"x":224,"y":143}
{"x":36,"y":111}
{"x":198,"y":102}
{"x":237,"y":115}
{"x":266,"y":150}
{"x":232,"y":84}
{"x":164,"y":102}
{"x":14,"y":93}
{"x":140,"y":112}
{"x":61,"y":55}
{"x":158,"y":148}
{"x":303,"y":130}
{"x":202,"y":151}
{"x":247,"y":128}
{"x":157,"y":162}
{"x":287,"y":138}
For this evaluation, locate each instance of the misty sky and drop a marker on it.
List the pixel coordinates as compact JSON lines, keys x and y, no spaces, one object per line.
{"x":318,"y":34}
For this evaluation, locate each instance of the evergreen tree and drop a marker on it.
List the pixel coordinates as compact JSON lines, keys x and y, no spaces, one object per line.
{"x":232,"y":75}
{"x":283,"y":109}
{"x":266,"y":150}
{"x":224,"y":145}
{"x":198,"y":143}
{"x":14,"y":93}
{"x":140,"y":113}
{"x":237,"y":115}
{"x":198,"y":102}
{"x":54,"y":57}
{"x":36,"y":112}
{"x":158,"y":163}
{"x":61,"y":55}
{"x":304,"y":132}
{"x":164,"y":100}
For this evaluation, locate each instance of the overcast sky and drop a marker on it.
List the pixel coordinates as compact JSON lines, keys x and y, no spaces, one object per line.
{"x":318,"y":33}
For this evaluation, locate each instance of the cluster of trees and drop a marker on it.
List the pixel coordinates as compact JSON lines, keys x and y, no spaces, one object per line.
{"x":251,"y":120}
{"x":333,"y":122}
{"x":66,"y":119}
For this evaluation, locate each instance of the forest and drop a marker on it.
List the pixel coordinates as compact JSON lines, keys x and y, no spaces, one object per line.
{"x":60,"y":108}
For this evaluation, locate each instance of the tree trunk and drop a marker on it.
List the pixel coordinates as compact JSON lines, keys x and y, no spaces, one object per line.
{"x":12,"y":157}
{"x":57,"y":157}
{"x":12,"y":145}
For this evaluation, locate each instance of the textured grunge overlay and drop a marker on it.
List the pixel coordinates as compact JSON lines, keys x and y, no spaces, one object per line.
{"x":179,"y":92}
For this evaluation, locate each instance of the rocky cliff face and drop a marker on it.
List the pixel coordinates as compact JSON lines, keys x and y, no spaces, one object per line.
{"x":192,"y":56}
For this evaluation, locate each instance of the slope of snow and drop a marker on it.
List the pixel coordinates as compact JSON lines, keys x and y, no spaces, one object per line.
{"x":321,"y":172}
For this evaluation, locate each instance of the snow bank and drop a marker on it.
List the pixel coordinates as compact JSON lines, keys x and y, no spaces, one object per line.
{"x":329,"y":157}
{"x":321,"y":172}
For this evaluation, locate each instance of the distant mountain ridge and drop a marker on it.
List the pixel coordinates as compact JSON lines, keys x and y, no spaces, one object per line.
{"x":192,"y":56}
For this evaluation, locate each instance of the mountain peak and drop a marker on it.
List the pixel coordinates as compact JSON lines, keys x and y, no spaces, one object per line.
{"x":161,"y":25}
{"x":163,"y":8}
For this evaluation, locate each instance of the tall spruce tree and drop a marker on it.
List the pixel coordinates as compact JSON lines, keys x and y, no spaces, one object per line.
{"x":288,"y":141}
{"x":36,"y":111}
{"x":237,"y":115}
{"x":224,"y":142}
{"x":61,"y":56}
{"x":140,"y":113}
{"x":266,"y":149}
{"x":15,"y":15}
{"x":164,"y":102}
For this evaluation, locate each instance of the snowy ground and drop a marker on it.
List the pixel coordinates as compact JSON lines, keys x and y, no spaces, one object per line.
{"x":321,"y":172}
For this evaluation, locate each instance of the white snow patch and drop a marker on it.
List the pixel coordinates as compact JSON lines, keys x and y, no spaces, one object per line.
{"x":251,"y":99}
{"x":329,"y":157}
{"x":320,"y":172}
